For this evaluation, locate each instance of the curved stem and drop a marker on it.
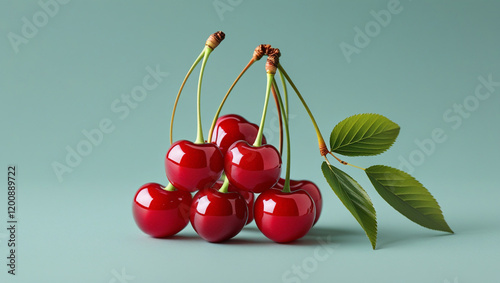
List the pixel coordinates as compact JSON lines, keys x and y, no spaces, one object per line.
{"x":199,"y":136}
{"x":345,"y":163}
{"x":180,"y":90}
{"x":212,"y":127}
{"x":170,"y":187}
{"x":321,"y":142}
{"x":280,"y":118}
{"x":286,"y":186}
{"x":285,"y":93}
{"x":225,"y":186}
{"x":258,"y":139}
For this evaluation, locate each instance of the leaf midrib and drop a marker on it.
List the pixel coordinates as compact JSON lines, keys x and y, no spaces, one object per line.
{"x":362,"y":139}
{"x":411,"y":207}
{"x":355,"y":207}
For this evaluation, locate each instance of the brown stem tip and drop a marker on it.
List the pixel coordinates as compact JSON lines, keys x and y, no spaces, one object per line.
{"x":273,"y":52}
{"x":323,"y":150}
{"x":260,"y":51}
{"x":272,"y":63}
{"x":214,"y":39}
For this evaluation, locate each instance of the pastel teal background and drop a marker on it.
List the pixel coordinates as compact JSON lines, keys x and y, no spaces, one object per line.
{"x":65,"y":78}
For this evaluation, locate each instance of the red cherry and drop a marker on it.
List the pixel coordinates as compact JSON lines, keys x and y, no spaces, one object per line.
{"x":284,"y":217}
{"x":232,"y":128}
{"x":161,"y":213}
{"x":193,"y":167}
{"x":250,"y":168}
{"x":248,"y":196}
{"x":307,"y":186}
{"x":217,"y":216}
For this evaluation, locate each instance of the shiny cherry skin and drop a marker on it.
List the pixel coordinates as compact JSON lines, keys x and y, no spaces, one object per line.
{"x":191,"y":167}
{"x":217,"y":216}
{"x":254,"y":169}
{"x":160,"y":213}
{"x":248,"y":196}
{"x":284,"y":217}
{"x":231,"y":128}
{"x":307,"y":186}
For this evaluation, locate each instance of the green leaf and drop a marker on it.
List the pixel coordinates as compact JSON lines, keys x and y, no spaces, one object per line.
{"x":363,"y":134}
{"x":355,"y":199}
{"x":408,"y":196}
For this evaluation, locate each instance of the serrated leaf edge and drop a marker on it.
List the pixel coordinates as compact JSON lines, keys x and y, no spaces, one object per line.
{"x":367,"y":170}
{"x":336,"y":149}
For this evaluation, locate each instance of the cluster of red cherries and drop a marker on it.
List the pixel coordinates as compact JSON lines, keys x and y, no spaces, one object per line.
{"x":225,"y":174}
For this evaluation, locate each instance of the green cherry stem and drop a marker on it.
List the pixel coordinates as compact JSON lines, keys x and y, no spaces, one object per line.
{"x":170,"y":187}
{"x":285,"y":93}
{"x":285,"y":110}
{"x":212,"y":127}
{"x":280,"y":118}
{"x":199,"y":136}
{"x":210,"y":44}
{"x":225,"y":186}
{"x":286,"y":186}
{"x":258,"y":53}
{"x":180,"y":90}
{"x":321,"y":142}
{"x":258,"y":139}
{"x":342,"y":161}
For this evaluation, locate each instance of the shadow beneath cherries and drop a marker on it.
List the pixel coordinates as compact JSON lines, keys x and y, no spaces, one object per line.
{"x":316,"y":236}
{"x":178,"y":238}
{"x":251,"y":229}
{"x":266,"y":242}
{"x":246,"y":241}
{"x":251,"y":236}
